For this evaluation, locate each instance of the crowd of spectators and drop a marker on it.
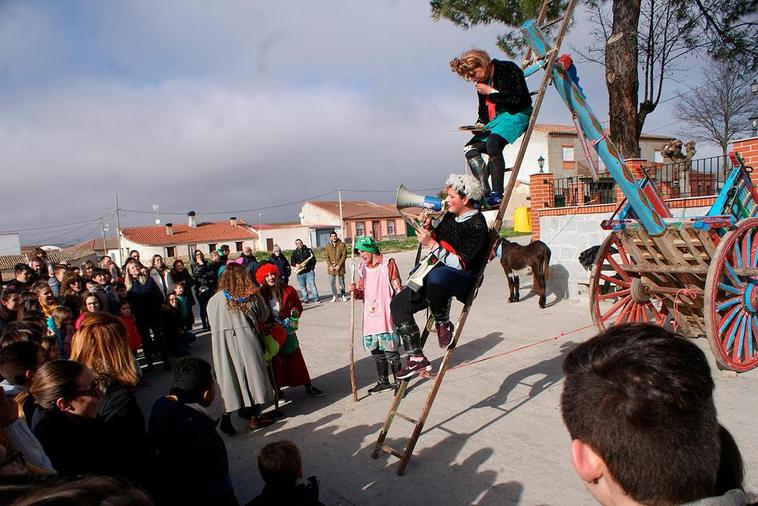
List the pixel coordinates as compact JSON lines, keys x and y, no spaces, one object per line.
{"x":76,"y":342}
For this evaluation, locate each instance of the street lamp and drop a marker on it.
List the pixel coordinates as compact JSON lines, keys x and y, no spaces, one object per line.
{"x":754,"y":125}
{"x":157,"y":219}
{"x":541,"y":163}
{"x":754,"y":86}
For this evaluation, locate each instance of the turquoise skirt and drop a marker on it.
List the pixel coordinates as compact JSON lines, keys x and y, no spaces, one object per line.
{"x":506,"y":125}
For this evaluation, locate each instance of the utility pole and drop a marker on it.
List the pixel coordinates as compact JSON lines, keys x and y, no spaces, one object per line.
{"x":118,"y":233}
{"x":102,"y":229}
{"x":342,"y":221}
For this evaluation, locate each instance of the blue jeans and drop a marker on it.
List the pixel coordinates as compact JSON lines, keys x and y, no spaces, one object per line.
{"x":307,"y":282}
{"x":333,"y":284}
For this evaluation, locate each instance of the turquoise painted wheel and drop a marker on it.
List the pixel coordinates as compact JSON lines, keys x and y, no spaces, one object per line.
{"x":731,"y":298}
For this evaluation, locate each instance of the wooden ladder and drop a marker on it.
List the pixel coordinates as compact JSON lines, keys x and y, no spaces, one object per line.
{"x":547,"y":64}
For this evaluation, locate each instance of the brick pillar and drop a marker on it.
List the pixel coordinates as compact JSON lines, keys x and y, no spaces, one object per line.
{"x":634,"y":165}
{"x":541,"y":191}
{"x":748,"y":148}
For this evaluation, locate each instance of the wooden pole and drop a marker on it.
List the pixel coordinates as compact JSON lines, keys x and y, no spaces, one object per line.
{"x":353,"y":385}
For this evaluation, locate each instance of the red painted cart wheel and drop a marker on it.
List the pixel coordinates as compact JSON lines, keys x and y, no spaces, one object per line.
{"x":618,"y":296}
{"x":731,"y":299}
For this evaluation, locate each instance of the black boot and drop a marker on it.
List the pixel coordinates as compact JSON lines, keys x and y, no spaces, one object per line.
{"x":416,"y":362}
{"x":226,"y":425}
{"x":395,"y":366}
{"x":480,"y":170}
{"x":382,"y":370}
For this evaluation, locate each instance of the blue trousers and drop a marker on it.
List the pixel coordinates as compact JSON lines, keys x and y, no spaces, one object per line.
{"x":307,"y":282}
{"x":333,"y":284}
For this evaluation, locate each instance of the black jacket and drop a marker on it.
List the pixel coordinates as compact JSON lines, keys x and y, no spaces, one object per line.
{"x":205,"y":278}
{"x":284,"y":267}
{"x":124,"y":427}
{"x":299,"y":256}
{"x":146,"y":300}
{"x":192,"y":456}
{"x":513,"y":93}
{"x":468,"y":239}
{"x":75,"y":445}
{"x":301,"y":495}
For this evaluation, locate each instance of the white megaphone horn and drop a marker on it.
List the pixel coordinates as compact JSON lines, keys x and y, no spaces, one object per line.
{"x":407,"y":199}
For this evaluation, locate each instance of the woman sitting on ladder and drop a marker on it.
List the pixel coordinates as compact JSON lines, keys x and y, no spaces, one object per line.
{"x":504,"y":108}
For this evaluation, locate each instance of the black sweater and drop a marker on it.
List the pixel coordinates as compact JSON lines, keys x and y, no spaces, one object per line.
{"x":513,"y":93}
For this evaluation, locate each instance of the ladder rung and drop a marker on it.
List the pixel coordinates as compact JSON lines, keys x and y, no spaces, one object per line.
{"x":551,"y":23}
{"x":392,"y":451}
{"x":408,"y":418}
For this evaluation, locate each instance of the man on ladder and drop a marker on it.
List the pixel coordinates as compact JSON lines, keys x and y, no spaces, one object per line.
{"x":458,"y":241}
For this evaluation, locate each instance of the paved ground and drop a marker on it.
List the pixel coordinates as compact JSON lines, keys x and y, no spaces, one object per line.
{"x":494,"y":435}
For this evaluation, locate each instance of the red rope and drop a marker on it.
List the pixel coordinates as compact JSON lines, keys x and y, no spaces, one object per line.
{"x":520,"y":348}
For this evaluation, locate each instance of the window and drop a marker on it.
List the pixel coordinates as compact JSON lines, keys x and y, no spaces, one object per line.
{"x":211,"y":246}
{"x":191,"y":248}
{"x":238,"y":246}
{"x":170,"y":250}
{"x":658,"y":156}
{"x":390,"y":227}
{"x":360,"y":229}
{"x":567,"y":153}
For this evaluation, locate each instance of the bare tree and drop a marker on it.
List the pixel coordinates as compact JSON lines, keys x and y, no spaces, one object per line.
{"x":717,"y":111}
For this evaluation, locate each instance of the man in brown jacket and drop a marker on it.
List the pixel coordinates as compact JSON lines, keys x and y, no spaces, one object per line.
{"x":336,"y":254}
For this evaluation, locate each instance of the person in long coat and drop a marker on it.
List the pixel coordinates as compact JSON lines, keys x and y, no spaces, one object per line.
{"x":234,"y":313}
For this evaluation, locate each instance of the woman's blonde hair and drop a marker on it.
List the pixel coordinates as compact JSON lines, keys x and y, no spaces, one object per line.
{"x":469,"y":61}
{"x":101,"y":344}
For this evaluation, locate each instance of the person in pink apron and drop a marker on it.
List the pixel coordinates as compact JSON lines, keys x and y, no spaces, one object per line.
{"x":378,"y":282}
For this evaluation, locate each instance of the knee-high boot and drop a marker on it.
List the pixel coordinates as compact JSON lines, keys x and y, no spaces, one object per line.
{"x":409,"y":333}
{"x":480,"y":170}
{"x":382,"y":371}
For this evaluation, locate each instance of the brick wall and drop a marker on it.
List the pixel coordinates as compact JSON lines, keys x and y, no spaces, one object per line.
{"x":748,"y":148}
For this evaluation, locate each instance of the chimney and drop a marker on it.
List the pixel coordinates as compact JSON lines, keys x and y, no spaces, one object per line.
{"x":191,"y":219}
{"x":233,"y":221}
{"x":169,"y":229}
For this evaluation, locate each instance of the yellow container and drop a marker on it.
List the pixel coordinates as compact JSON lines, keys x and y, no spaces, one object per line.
{"x":521,"y":220}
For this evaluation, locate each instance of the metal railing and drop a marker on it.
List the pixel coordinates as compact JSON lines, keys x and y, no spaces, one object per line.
{"x":695,"y":178}
{"x":582,"y":190}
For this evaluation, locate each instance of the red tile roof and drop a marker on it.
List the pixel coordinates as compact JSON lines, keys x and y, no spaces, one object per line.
{"x":357,"y":209}
{"x":219,"y":231}
{"x":94,"y":244}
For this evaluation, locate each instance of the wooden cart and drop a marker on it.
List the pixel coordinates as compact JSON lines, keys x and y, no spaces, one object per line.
{"x":699,"y":275}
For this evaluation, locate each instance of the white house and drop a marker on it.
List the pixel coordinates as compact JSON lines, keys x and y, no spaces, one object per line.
{"x":285,"y":235}
{"x":172,"y":241}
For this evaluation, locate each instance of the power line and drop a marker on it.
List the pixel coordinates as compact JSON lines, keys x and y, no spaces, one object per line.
{"x":285,"y":204}
{"x":46,"y":227}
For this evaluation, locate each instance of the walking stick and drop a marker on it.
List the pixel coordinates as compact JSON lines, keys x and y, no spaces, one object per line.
{"x":352,"y":331}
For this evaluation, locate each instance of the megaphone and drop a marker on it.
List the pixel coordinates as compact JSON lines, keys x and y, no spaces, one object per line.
{"x":406,"y":199}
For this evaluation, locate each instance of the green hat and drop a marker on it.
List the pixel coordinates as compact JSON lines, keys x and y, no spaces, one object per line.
{"x":367,"y":244}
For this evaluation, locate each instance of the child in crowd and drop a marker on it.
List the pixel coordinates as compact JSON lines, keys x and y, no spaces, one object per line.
{"x":190,"y":451}
{"x":133,"y":338}
{"x":281,"y":467}
{"x":19,"y":362}
{"x":60,"y":325}
{"x":180,"y":289}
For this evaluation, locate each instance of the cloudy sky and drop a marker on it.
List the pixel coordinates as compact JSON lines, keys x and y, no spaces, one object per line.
{"x":231,"y":106}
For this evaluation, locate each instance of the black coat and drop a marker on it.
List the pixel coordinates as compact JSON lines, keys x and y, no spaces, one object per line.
{"x":300,"y":255}
{"x":146,"y":300}
{"x":205,"y":278}
{"x":192,"y":456}
{"x":124,"y":426}
{"x":513,"y":93}
{"x":284,"y":267}
{"x":75,"y":445}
